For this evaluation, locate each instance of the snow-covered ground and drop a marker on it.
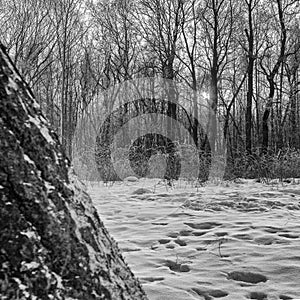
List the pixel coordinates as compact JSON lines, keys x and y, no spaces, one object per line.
{"x":226,"y":241}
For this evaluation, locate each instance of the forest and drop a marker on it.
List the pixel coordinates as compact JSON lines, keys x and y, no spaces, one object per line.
{"x":241,"y":57}
{"x":149,"y":149}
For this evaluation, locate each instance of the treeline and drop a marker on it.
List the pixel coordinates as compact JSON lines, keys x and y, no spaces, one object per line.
{"x":242,"y":55}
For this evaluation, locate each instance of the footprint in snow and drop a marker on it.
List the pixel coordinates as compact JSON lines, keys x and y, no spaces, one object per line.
{"x":164,"y":241}
{"x":199,"y":233}
{"x":204,"y":225}
{"x":142,"y":191}
{"x":185,"y":232}
{"x":180,"y":242}
{"x":265,"y":240}
{"x":151,"y":279}
{"x":258,"y":296}
{"x":173,"y":235}
{"x":243,"y":236}
{"x":210,"y":294}
{"x":247,"y":277}
{"x":177,"y":267}
{"x":289,"y":235}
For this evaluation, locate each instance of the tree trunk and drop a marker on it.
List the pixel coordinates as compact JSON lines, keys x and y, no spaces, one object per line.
{"x":214,"y":81}
{"x":267,"y":111}
{"x":214,"y":107}
{"x":271,"y":78}
{"x":53,"y":244}
{"x":248,"y":118}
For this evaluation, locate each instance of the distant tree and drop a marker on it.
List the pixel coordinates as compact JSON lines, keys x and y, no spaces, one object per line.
{"x":249,"y":31}
{"x":271,"y":61}
{"x":218,"y":23}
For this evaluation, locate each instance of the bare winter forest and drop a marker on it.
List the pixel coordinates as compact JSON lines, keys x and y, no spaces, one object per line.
{"x":242,"y":57}
{"x":183,"y":119}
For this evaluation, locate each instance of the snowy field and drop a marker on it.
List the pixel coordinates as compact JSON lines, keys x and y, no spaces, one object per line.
{"x":232,"y":240}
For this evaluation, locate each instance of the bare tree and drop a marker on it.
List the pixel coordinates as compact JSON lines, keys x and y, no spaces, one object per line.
{"x":65,"y":18}
{"x":271,"y":69}
{"x":217,"y":16}
{"x":251,"y":4}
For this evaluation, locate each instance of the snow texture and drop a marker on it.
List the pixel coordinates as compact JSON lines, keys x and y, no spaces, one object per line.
{"x":233,"y":240}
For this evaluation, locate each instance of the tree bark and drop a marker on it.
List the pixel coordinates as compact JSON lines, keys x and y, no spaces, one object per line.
{"x":53,"y":245}
{"x":248,"y":118}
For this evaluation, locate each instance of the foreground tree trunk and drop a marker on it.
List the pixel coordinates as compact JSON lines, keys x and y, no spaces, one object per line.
{"x":53,"y":244}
